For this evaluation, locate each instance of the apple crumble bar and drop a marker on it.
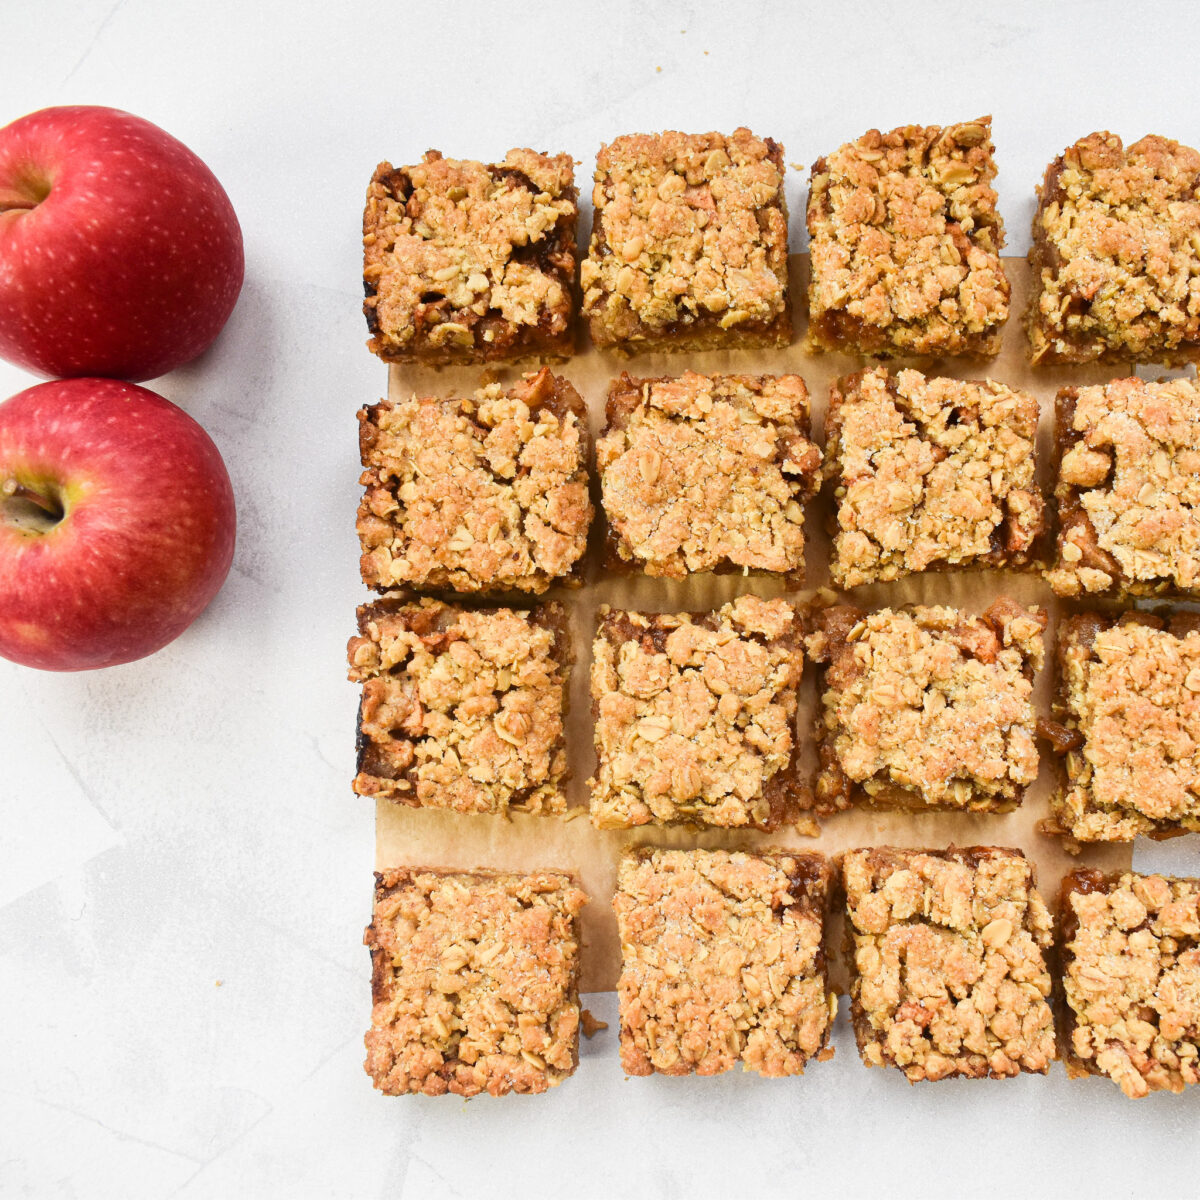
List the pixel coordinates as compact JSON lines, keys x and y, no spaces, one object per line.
{"x":1127,"y":726}
{"x":462,"y":709}
{"x":694,"y":716}
{"x":707,"y":472}
{"x":930,"y":474}
{"x":1116,"y":254}
{"x":468,"y":262}
{"x":1131,"y":979}
{"x":689,"y":247}
{"x":926,"y":707}
{"x":948,"y":966}
{"x":905,"y":245}
{"x":723,"y":961}
{"x":1128,"y":489}
{"x":474,"y":981}
{"x":481,"y":495}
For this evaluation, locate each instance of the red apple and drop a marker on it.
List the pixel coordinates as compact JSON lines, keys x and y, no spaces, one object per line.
{"x":116,"y":523}
{"x":120,"y":253}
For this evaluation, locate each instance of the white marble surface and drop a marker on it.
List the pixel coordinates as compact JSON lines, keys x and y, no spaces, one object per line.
{"x":187,"y":819}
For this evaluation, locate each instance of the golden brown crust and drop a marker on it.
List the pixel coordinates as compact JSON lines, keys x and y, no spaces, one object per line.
{"x":474,"y":981}
{"x":1128,"y":489}
{"x":949,"y":973}
{"x":481,"y":495}
{"x":1131,"y":979}
{"x":927,"y":708}
{"x":723,"y":961}
{"x":1128,"y":716}
{"x":930,"y":474}
{"x":906,"y":244}
{"x":467,"y":262}
{"x":689,"y":243}
{"x":707,"y":472}
{"x":1116,"y":254}
{"x":462,"y":709}
{"x":694,"y":716}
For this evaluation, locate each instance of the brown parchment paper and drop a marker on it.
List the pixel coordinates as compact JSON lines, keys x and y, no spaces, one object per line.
{"x":439,"y":839}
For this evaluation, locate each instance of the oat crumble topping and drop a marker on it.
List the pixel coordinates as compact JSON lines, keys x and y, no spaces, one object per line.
{"x":723,"y":961}
{"x":467,"y":261}
{"x":1128,"y":489}
{"x":489,"y":494}
{"x":949,"y":973}
{"x":927,"y":707}
{"x":474,"y":981}
{"x":702,"y":472}
{"x":906,"y":244}
{"x":694,"y":716}
{"x":930,"y":473}
{"x":1116,"y":254}
{"x":1131,"y":979}
{"x":689,"y":243}
{"x":1130,"y":700}
{"x":462,"y":709}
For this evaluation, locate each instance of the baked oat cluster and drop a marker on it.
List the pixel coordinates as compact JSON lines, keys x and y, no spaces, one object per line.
{"x":689,"y":243}
{"x":723,"y":961}
{"x":905,"y":245}
{"x":481,"y":495}
{"x":707,"y":472}
{"x":928,"y":474}
{"x":474,"y":981}
{"x":461,"y":709}
{"x":694,"y":716}
{"x":926,"y":707}
{"x":949,"y":974}
{"x":470,"y":262}
{"x":1128,"y":726}
{"x":1128,"y":489}
{"x":1131,"y":979}
{"x":1116,"y":254}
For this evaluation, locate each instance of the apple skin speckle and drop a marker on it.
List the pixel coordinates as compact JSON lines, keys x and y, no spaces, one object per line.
{"x":131,"y":263}
{"x":147,"y":533}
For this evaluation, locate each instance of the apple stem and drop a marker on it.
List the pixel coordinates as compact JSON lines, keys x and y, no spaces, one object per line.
{"x":28,"y":509}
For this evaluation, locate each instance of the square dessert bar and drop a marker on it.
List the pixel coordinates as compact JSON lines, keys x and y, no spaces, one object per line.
{"x":723,"y":961}
{"x":1131,"y":979}
{"x":1116,"y":254}
{"x":689,"y":247}
{"x":948,"y":966}
{"x":1128,"y":489}
{"x":1127,"y":726}
{"x":462,"y":709}
{"x":926,"y":708}
{"x":474,"y":981}
{"x":930,"y":474}
{"x":707,"y":473}
{"x":905,"y":245}
{"x":467,"y":262}
{"x":695,"y":715}
{"x":481,"y":495}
